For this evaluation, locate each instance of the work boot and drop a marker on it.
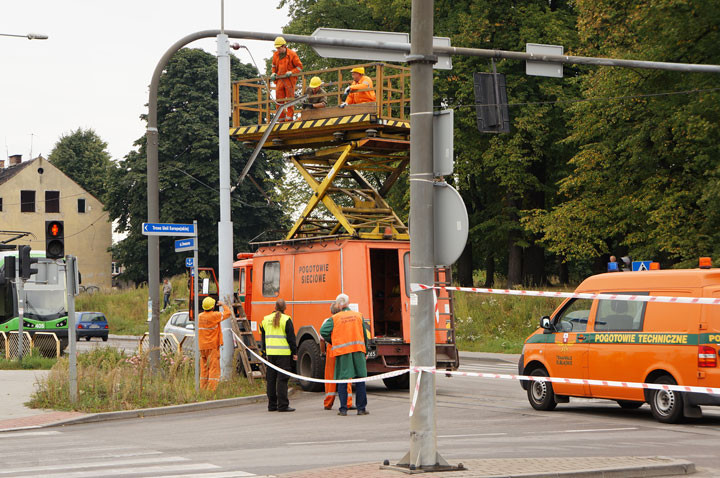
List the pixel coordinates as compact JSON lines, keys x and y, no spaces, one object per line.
{"x":363,"y":412}
{"x":288,"y":409}
{"x":272,"y":409}
{"x":328,"y":408}
{"x":342,"y":413}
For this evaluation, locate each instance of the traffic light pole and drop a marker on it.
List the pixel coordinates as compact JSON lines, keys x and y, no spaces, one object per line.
{"x":20,"y":286}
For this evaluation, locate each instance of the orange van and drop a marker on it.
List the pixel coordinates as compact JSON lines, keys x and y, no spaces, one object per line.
{"x":668,"y":343}
{"x":309,"y":275}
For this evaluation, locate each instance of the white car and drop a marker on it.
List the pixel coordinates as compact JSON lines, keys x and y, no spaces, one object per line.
{"x":180,"y":325}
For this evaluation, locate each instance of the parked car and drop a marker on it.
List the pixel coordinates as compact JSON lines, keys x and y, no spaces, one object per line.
{"x":179,"y":325}
{"x":91,"y":324}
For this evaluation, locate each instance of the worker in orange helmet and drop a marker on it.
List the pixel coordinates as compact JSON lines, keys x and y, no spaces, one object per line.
{"x":210,"y":339}
{"x":331,"y":388}
{"x":285,"y":62}
{"x":360,"y":90}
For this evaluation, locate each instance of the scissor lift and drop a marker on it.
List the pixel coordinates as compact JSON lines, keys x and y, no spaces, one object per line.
{"x":350,"y":157}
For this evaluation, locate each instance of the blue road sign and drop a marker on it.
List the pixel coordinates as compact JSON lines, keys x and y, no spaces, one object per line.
{"x":641,"y":266}
{"x":157,"y":229}
{"x":185,"y":245}
{"x":189,"y":262}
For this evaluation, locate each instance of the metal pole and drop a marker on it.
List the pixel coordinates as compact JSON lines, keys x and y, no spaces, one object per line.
{"x":196,"y":341}
{"x":225,"y":226}
{"x":20,"y":286}
{"x":70,"y":266}
{"x":423,"y":439}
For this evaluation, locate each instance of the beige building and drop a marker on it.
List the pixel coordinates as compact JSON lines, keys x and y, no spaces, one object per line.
{"x":35,"y":191}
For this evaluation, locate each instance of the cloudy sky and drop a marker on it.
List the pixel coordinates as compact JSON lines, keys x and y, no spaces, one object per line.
{"x":95,"y":68}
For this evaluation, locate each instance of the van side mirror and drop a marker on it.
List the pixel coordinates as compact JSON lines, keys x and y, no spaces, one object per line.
{"x":190,"y":326}
{"x":545,"y":322}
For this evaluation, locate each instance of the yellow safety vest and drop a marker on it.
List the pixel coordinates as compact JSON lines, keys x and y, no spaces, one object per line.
{"x":275,"y":340}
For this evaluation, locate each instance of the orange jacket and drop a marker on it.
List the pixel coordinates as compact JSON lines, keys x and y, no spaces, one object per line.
{"x":356,"y":97}
{"x":348,"y":333}
{"x":209,"y":331}
{"x":289,"y":63}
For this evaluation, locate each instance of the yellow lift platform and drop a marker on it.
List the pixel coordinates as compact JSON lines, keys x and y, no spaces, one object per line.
{"x":340,"y":152}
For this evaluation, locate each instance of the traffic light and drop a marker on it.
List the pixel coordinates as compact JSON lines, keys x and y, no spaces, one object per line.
{"x":26,"y":262}
{"x":54,"y":239}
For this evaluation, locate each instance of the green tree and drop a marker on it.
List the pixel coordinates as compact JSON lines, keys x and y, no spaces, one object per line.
{"x":188,"y":172}
{"x":83,"y":156}
{"x":646,"y":177}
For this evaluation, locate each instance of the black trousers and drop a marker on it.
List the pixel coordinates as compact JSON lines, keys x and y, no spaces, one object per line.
{"x":277,"y":383}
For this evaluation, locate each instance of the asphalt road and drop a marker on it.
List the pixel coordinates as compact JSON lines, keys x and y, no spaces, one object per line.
{"x":477,"y":418}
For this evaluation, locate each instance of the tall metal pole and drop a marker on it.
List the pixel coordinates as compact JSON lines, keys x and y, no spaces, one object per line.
{"x":70,"y":266}
{"x":423,"y":437}
{"x":20,"y":287}
{"x":196,"y":307}
{"x":225,"y":226}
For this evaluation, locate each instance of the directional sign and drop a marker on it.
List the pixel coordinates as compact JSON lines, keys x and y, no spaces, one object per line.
{"x":444,"y":61}
{"x":189,"y":262}
{"x":157,"y":229}
{"x":185,"y":245}
{"x":641,"y":266}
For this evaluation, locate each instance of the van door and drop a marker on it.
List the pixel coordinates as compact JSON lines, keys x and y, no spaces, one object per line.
{"x":387,"y":303}
{"x":567,"y":355}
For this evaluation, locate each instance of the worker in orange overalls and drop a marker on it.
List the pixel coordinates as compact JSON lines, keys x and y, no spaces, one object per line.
{"x":285,"y":62}
{"x":210,"y":339}
{"x":331,"y":388}
{"x":360,"y":90}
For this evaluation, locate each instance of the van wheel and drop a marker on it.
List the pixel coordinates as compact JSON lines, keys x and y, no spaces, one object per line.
{"x":666,"y":405}
{"x":400,"y":382}
{"x":540,"y":394}
{"x":629,"y":404}
{"x":310,"y":364}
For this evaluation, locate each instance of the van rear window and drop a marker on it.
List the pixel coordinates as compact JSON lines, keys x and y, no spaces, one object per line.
{"x":271,"y":279}
{"x":620,"y":315}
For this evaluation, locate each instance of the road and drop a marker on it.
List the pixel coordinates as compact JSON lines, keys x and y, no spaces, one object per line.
{"x":477,"y":418}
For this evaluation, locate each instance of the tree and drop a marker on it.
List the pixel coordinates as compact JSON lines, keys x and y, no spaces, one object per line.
{"x":188,"y":172}
{"x":83,"y":156}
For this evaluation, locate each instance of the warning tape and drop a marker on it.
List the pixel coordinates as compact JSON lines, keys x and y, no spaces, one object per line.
{"x":574,"y":295}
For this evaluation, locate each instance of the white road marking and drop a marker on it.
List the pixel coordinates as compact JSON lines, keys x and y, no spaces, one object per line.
{"x":473,"y":435}
{"x":28,"y":434}
{"x":325,"y":442}
{"x":600,"y":430}
{"x":149,"y":471}
{"x":218,"y":474}
{"x":141,"y":461}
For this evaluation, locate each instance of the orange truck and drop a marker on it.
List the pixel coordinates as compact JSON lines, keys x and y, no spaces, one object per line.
{"x":373,"y":273}
{"x":627,"y":341}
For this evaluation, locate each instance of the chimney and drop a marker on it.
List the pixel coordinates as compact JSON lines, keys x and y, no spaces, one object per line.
{"x":15,"y":159}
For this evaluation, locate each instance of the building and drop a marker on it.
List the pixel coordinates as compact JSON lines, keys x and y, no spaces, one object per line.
{"x":35,"y":191}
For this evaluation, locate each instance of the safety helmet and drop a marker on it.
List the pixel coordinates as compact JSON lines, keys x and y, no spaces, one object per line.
{"x":315,"y":82}
{"x":208,"y":303}
{"x":280,"y":41}
{"x":358,"y":69}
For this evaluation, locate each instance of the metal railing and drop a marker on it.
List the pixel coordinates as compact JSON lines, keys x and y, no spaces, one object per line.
{"x":168,"y":343}
{"x":46,"y":343}
{"x":391,"y":83}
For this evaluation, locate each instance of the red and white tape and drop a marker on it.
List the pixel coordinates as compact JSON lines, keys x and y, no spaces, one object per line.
{"x":574,"y":295}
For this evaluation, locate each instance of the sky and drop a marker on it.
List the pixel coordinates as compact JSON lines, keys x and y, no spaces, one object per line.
{"x":95,"y":68}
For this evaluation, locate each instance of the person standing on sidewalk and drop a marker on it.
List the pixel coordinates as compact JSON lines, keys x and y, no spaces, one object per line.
{"x":346,"y":332}
{"x":278,"y":345}
{"x":210,"y":339}
{"x":331,"y":388}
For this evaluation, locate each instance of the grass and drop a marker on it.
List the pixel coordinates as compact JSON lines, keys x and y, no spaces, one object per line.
{"x":109,"y":380}
{"x":34,"y":361}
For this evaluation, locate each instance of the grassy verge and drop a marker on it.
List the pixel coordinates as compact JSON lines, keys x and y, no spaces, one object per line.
{"x":109,"y":380}
{"x":497,"y":323}
{"x":29,"y":362}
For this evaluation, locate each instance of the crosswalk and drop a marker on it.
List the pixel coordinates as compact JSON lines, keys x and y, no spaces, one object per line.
{"x":54,"y":454}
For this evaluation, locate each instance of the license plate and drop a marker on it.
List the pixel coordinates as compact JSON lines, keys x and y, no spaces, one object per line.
{"x":94,"y":326}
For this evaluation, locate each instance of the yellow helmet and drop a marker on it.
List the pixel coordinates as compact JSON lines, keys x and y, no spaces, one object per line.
{"x":315,"y":82}
{"x":358,"y":69}
{"x":280,"y":41}
{"x":208,"y":303}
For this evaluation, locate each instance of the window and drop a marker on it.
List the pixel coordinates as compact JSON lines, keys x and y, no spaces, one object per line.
{"x":27,"y":201}
{"x":0,"y":204}
{"x":620,"y":315}
{"x":574,"y":316}
{"x":52,"y":201}
{"x":406,"y":266}
{"x":242,"y":281}
{"x":271,"y":279}
{"x":81,"y":206}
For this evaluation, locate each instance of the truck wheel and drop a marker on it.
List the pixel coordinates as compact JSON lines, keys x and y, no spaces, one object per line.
{"x":629,"y":404}
{"x":666,"y":405}
{"x":401,"y":382}
{"x":540,"y":394}
{"x":310,"y":364}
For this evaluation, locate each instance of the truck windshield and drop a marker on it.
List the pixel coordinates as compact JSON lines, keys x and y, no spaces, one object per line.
{"x":45,"y":293}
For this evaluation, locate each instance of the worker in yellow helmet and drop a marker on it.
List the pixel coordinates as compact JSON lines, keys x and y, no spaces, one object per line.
{"x":285,"y":62}
{"x":210,"y":339}
{"x":361,"y":90}
{"x":317,"y":97}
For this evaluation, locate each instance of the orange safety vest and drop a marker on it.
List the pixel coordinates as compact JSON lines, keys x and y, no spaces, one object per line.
{"x":289,"y":63}
{"x":356,"y":97}
{"x":209,"y":331}
{"x":348,"y":334}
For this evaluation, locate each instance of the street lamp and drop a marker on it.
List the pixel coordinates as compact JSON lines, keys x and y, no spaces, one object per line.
{"x":29,"y":36}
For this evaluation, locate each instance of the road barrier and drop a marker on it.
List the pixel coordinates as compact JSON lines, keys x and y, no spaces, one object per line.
{"x":168,"y":343}
{"x":46,"y":343}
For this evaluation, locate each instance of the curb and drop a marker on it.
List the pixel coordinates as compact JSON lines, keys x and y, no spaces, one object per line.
{"x":488,"y":357}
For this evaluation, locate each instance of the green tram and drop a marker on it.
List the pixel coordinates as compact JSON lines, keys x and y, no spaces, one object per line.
{"x":45,"y":298}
